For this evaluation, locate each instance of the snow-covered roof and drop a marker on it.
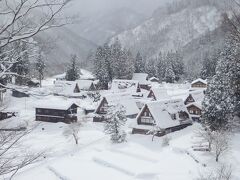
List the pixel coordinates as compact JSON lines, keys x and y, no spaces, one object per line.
{"x":84,"y":84}
{"x":153,"y":78}
{"x":64,"y":87}
{"x":85,"y":74}
{"x":125,"y":100}
{"x":123,"y":85}
{"x":198,"y":96}
{"x":162,"y":110}
{"x":197,"y":104}
{"x":59,"y":105}
{"x":141,"y":78}
{"x":160,"y":93}
{"x":199,"y":80}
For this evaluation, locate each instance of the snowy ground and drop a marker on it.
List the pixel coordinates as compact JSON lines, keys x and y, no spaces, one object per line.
{"x":96,"y":158}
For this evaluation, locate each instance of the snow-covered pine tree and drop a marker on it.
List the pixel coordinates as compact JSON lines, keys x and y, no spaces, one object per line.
{"x":150,"y":67}
{"x":116,"y":119}
{"x":177,"y":64}
{"x":139,"y":63}
{"x":209,"y":65}
{"x":116,"y":55}
{"x":102,"y":67}
{"x":161,"y":67}
{"x":220,"y":100}
{"x":40,"y":66}
{"x":21,"y":68}
{"x":73,"y":71}
{"x":169,"y":72}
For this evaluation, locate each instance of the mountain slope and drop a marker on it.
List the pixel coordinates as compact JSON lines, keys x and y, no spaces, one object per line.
{"x":170,"y":30}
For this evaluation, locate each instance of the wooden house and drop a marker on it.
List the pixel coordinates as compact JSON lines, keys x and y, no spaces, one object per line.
{"x":157,"y":94}
{"x":199,"y":84}
{"x":65,"y":112}
{"x":166,"y":116}
{"x":194,"y":104}
{"x":66,"y":88}
{"x":113,"y":99}
{"x":142,"y":78}
{"x":195,"y":110}
{"x":86,"y":85}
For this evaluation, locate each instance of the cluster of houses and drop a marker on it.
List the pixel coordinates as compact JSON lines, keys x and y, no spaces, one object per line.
{"x":148,"y":104}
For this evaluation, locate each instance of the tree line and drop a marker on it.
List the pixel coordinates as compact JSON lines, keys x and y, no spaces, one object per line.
{"x":115,"y":62}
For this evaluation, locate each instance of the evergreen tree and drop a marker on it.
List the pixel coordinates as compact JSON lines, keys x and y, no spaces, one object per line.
{"x":101,"y":68}
{"x":209,"y":65}
{"x":116,"y":119}
{"x":150,"y":67}
{"x":21,"y":68}
{"x":116,"y":55}
{"x":161,"y":67}
{"x":40,"y":66}
{"x":177,"y":64}
{"x":220,"y":99}
{"x":73,"y":71}
{"x":169,"y":72}
{"x":139,"y":63}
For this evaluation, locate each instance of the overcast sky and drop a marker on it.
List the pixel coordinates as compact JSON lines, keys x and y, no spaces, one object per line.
{"x":84,"y":7}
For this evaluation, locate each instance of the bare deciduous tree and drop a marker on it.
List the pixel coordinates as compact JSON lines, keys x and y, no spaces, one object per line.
{"x":220,"y":143}
{"x":12,"y":158}
{"x":21,"y":20}
{"x":73,"y":130}
{"x":222,"y":173}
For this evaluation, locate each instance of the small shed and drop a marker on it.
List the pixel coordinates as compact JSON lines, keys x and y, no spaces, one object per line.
{"x":52,"y":112}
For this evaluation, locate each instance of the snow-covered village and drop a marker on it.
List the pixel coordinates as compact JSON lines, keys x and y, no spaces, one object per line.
{"x":123,"y":90}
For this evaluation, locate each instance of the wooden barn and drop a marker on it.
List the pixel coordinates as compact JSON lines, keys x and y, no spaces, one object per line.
{"x":86,"y":85}
{"x":166,"y":116}
{"x":142,"y":78}
{"x":123,"y":99}
{"x":157,"y":94}
{"x":199,"y":84}
{"x":66,"y":113}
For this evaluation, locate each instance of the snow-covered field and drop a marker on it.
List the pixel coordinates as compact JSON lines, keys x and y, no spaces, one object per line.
{"x":97,"y":158}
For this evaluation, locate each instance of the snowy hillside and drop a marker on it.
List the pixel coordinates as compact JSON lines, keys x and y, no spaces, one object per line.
{"x":171,"y":31}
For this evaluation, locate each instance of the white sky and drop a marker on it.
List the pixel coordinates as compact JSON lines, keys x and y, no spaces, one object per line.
{"x":84,"y":7}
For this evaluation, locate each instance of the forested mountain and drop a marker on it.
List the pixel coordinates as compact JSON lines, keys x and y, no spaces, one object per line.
{"x":184,"y":25}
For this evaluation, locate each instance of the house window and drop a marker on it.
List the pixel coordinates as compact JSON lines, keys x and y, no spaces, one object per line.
{"x":147,"y":120}
{"x":191,"y":111}
{"x":39,"y":110}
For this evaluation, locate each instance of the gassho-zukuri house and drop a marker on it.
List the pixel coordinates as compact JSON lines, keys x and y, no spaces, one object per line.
{"x":123,"y":99}
{"x":126,"y":86}
{"x":57,"y":112}
{"x":166,"y":116}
